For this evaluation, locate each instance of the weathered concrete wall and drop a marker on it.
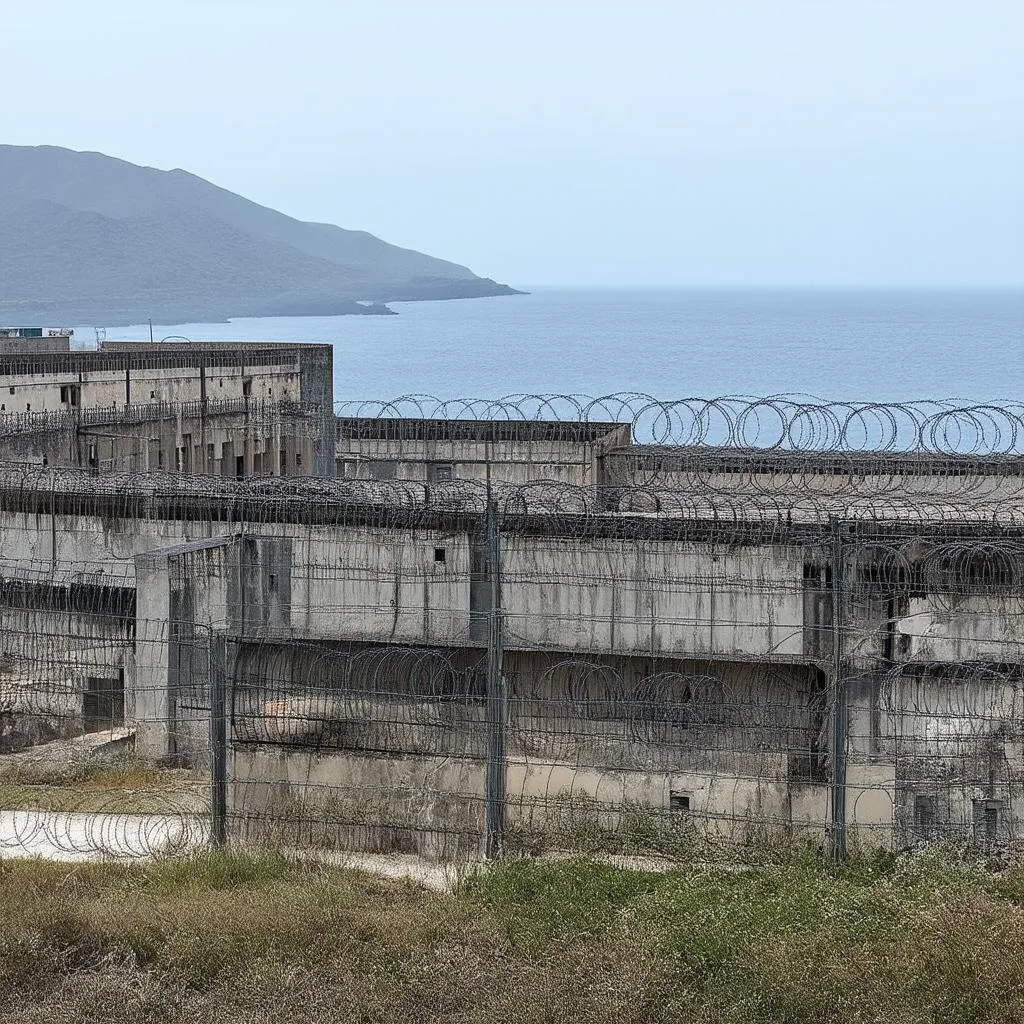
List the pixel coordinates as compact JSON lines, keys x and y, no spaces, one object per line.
{"x":47,"y":656}
{"x":268,"y":442}
{"x":955,"y":628}
{"x":594,"y":595}
{"x":657,"y":597}
{"x":429,"y":806}
{"x":806,"y":476}
{"x":511,"y":452}
{"x":433,"y":806}
{"x":40,"y":391}
{"x":510,"y":462}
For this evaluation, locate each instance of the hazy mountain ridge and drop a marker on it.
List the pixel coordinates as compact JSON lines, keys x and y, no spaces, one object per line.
{"x":86,"y":237}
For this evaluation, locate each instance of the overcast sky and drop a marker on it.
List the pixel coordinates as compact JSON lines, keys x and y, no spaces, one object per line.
{"x":719,"y":142}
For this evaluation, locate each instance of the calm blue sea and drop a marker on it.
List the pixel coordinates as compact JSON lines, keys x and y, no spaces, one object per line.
{"x":858,"y":345}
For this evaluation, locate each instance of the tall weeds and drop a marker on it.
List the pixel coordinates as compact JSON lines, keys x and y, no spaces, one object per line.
{"x":890,"y":939}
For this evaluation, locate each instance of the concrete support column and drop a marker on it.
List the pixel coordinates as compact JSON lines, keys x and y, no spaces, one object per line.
{"x":150,"y":698}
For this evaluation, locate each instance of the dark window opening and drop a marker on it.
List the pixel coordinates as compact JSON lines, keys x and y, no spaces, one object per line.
{"x":298,"y":458}
{"x":152,"y":394}
{"x":439,"y":554}
{"x":209,"y":454}
{"x":272,"y":582}
{"x":103,"y":703}
{"x":28,"y":407}
{"x":70,"y":394}
{"x":679,"y":801}
{"x":820,"y":574}
{"x":46,"y":461}
{"x":12,"y":391}
{"x":924,"y":814}
{"x":986,"y":820}
{"x":441,"y":473}
{"x":247,"y":387}
{"x":990,"y":822}
{"x":239,"y":466}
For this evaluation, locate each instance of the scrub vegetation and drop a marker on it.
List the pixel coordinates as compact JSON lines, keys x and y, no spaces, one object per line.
{"x":922,"y":937}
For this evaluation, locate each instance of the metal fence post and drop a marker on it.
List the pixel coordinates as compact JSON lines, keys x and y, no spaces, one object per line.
{"x":497,"y":698}
{"x":838,"y":695}
{"x":218,"y":741}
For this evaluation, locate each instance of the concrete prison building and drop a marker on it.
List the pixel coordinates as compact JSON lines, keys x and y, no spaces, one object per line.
{"x":608,"y":642}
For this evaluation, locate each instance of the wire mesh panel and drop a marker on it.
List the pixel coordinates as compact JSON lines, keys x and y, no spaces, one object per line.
{"x":364,"y":748}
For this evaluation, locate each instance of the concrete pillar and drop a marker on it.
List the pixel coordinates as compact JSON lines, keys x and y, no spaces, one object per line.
{"x":316,"y":375}
{"x":150,"y":699}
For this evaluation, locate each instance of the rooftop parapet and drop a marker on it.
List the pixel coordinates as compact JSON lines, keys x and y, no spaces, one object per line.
{"x":27,"y":358}
{"x":546,"y":508}
{"x":35,"y":340}
{"x":388,"y":428}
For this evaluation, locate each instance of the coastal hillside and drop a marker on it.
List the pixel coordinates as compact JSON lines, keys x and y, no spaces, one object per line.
{"x":88,"y":238}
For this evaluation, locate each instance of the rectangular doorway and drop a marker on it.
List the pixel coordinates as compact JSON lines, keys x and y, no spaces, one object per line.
{"x":103,"y":703}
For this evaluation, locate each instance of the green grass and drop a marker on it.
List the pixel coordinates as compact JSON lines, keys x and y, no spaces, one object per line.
{"x":260,"y":938}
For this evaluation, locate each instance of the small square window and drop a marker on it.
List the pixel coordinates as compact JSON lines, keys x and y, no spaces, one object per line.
{"x":440,"y":473}
{"x":679,"y":801}
{"x":12,"y":391}
{"x":440,"y":555}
